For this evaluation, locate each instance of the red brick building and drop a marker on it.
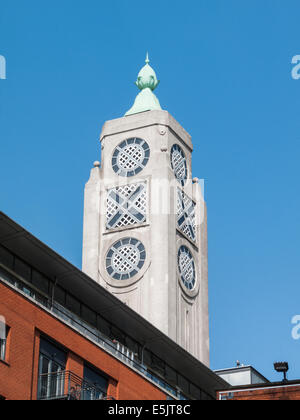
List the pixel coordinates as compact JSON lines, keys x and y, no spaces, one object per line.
{"x":267,"y":391}
{"x":66,"y":337}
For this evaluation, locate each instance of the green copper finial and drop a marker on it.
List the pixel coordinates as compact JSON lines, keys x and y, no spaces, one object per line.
{"x":147,"y":82}
{"x":147,"y":77}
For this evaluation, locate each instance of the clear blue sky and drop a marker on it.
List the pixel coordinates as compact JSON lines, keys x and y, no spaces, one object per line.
{"x":225,"y":71}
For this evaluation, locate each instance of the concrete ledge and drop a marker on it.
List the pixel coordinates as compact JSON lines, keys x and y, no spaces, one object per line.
{"x":146,"y":119}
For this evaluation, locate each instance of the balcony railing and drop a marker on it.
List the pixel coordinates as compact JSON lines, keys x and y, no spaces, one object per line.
{"x":66,"y":385}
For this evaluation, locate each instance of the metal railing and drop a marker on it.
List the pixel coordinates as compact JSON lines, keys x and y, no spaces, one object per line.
{"x":113,"y":347}
{"x":66,"y":385}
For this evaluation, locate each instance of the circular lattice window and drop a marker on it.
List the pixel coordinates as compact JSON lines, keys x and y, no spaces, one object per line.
{"x":186,"y":266}
{"x":178,"y":163}
{"x":125,"y":259}
{"x":130,"y":157}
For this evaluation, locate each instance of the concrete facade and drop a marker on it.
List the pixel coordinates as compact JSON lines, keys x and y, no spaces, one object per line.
{"x":155,"y":290}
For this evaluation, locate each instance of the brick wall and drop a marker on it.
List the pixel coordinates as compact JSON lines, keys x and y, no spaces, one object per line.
{"x":19,"y":374}
{"x":289,"y":392}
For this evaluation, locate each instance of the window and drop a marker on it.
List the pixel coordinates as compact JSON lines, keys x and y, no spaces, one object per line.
{"x":96,"y":384}
{"x":60,"y":295}
{"x":3,"y":343}
{"x":186,"y":267}
{"x":73,"y":304}
{"x":23,"y":269}
{"x":88,"y":315}
{"x":178,"y":163}
{"x":130,"y":157}
{"x":186,"y":216}
{"x":126,"y":205}
{"x":125,"y":258}
{"x":6,"y":258}
{"x":51,"y":370}
{"x":39,"y":281}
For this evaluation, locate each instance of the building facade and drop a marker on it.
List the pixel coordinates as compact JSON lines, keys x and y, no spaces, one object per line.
{"x":66,"y":337}
{"x":268,"y":391}
{"x":145,"y":237}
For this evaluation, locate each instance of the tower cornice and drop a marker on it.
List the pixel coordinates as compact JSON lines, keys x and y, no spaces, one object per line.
{"x":146,"y":119}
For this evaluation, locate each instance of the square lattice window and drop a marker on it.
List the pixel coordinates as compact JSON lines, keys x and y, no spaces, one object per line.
{"x":186,"y":217}
{"x":126,"y":205}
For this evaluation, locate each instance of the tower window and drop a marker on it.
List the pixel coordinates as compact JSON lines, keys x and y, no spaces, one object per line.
{"x":125,"y":259}
{"x":186,"y":266}
{"x":126,"y":205}
{"x":178,"y":163}
{"x":130,"y":157}
{"x":186,"y":220}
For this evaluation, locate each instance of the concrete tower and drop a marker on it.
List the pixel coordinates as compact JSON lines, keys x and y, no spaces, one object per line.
{"x":145,"y":234}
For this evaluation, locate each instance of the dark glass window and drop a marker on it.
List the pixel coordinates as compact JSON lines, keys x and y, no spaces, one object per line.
{"x":60,"y":295}
{"x":132,"y":345}
{"x":6,"y":258}
{"x":171,"y":375}
{"x":157,"y":365}
{"x":195,"y":392}
{"x":22,"y":269}
{"x":88,"y":315}
{"x":96,"y":384}
{"x":103,"y":326}
{"x":183,"y":384}
{"x":118,"y":335}
{"x":146,"y":357}
{"x":53,"y":351}
{"x":8,"y":277}
{"x":73,"y":304}
{"x":39,"y":281}
{"x":51,"y":370}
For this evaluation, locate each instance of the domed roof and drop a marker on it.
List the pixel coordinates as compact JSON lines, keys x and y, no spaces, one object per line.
{"x":146,"y":82}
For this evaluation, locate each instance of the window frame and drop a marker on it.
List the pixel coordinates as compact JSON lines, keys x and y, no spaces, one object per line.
{"x":4,"y":345}
{"x":55,"y":380}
